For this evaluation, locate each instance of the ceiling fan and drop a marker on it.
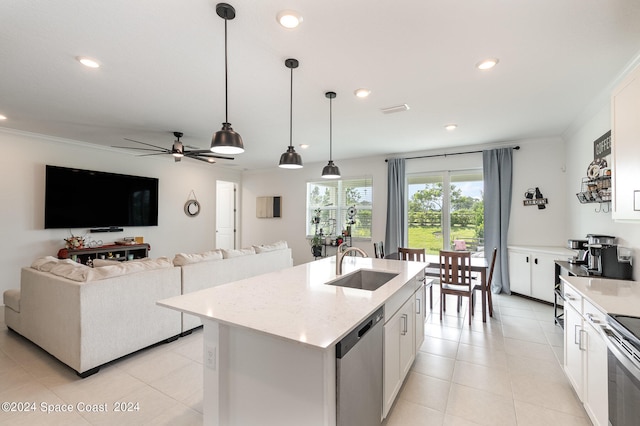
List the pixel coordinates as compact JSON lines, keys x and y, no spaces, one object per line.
{"x":178,"y":150}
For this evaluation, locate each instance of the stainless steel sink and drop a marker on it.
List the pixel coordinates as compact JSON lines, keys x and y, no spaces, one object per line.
{"x":364,"y":279}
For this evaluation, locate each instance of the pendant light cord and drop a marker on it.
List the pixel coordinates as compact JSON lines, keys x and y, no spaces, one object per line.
{"x":291,"y":112}
{"x":330,"y":129}
{"x":226,"y":77}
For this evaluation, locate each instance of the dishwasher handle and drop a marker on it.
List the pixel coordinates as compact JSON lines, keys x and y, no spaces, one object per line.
{"x":360,"y":332}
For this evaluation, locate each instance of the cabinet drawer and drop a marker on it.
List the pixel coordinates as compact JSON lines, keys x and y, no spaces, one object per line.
{"x":593,"y":314}
{"x":572,"y":297}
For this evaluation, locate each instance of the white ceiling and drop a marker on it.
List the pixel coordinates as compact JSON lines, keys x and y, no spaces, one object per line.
{"x":163,"y":71}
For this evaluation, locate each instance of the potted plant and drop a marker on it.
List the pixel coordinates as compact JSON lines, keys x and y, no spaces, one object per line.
{"x":316,"y":245}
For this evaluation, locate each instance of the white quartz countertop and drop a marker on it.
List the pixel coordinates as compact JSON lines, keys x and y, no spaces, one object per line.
{"x":295,"y":303}
{"x":610,"y":296}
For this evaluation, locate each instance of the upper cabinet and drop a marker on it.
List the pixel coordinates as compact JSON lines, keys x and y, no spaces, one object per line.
{"x":625,"y":134}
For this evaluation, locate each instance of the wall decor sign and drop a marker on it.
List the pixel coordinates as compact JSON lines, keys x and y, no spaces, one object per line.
{"x":268,"y":207}
{"x":602,"y":146}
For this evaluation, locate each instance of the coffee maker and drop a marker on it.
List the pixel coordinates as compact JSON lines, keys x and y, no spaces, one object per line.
{"x":581,"y":247}
{"x":595,"y":245}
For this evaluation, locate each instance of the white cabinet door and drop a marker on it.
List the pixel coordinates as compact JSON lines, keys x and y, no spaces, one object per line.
{"x":625,"y":150}
{"x":596,"y":384}
{"x":407,"y":337}
{"x":421,"y":307}
{"x":399,"y":350}
{"x":520,"y":272}
{"x":573,"y":348}
{"x":392,"y":381}
{"x":543,"y":276}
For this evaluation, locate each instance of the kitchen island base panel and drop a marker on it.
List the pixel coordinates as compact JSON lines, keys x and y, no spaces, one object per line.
{"x":254,"y":378}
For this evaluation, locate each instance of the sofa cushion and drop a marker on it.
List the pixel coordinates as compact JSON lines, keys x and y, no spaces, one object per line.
{"x":130,"y":267}
{"x":229,"y":253}
{"x":182,"y":259}
{"x":278,"y":245}
{"x":11,"y":299}
{"x":67,"y":268}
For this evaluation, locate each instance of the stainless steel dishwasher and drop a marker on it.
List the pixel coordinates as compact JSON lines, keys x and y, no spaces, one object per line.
{"x":359,"y":374}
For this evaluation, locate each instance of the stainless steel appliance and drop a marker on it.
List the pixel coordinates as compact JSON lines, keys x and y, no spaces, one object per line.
{"x":594,"y":245}
{"x":623,"y":355}
{"x":359,"y":374}
{"x":581,"y":247}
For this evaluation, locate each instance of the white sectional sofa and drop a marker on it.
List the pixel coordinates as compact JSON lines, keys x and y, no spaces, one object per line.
{"x":86,"y":317}
{"x":227,"y":266}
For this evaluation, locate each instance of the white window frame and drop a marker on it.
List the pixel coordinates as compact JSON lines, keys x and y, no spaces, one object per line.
{"x":338,"y":209}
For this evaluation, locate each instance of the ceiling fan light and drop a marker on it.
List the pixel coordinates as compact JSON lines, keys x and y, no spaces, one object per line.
{"x":331,"y":171}
{"x":226,"y":141}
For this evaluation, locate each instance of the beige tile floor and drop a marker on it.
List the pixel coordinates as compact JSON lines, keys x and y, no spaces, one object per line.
{"x":504,"y":372}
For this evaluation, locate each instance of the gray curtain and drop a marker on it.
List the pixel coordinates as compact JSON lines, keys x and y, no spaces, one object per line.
{"x":497,"y":165}
{"x":396,"y":215}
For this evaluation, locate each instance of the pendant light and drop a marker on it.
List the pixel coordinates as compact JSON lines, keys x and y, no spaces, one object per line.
{"x":330,"y":171}
{"x":226,"y":141}
{"x":291,"y":159}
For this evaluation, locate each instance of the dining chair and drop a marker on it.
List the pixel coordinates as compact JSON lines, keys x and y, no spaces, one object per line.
{"x":416,"y":255}
{"x":455,"y":278}
{"x":488,"y":283}
{"x":378,"y":250}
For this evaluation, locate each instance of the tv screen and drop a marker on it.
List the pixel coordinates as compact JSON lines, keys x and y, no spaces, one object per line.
{"x":76,"y":198}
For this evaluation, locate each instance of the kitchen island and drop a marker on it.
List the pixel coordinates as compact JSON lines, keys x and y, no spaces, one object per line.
{"x":269,"y":341}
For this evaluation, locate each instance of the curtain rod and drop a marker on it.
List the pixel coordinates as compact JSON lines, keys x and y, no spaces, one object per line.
{"x":517,"y":147}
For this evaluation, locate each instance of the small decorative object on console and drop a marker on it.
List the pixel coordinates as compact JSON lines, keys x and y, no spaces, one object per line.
{"x":74,"y":242}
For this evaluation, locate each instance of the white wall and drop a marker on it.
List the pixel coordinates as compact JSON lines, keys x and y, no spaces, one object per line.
{"x":582,"y":218}
{"x":539,"y":163}
{"x":291,"y":185}
{"x":22,"y":171}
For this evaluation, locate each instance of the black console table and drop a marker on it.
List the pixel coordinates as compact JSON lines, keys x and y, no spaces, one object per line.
{"x":119,"y":252}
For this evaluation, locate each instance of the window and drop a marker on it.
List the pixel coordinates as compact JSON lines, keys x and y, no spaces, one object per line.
{"x":446,"y":211}
{"x":333,"y":201}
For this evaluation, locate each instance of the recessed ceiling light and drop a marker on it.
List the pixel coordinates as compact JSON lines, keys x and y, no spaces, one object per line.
{"x":487,"y":64}
{"x":451,"y":126}
{"x":304,"y":145}
{"x":88,"y":62}
{"x":3,"y":117}
{"x":362,"y":93}
{"x":289,"y":18}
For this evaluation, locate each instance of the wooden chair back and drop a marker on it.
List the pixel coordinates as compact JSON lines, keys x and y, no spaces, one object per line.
{"x":417,"y":254}
{"x":378,"y":250}
{"x":455,"y":268}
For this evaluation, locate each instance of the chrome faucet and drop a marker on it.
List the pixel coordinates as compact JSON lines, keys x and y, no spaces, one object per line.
{"x":340,"y":254}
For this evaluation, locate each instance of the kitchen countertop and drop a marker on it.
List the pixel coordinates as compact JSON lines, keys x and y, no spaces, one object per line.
{"x":295,"y":303}
{"x":610,"y":296}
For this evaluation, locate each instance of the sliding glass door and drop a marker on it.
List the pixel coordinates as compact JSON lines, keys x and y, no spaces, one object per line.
{"x":446,"y":211}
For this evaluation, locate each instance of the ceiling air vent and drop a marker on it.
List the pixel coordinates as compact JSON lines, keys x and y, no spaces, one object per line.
{"x":397,"y":108}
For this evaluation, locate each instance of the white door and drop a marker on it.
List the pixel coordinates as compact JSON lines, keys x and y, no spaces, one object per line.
{"x":225,"y":215}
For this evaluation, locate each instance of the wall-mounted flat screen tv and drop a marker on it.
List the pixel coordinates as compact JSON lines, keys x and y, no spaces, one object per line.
{"x":76,"y":198}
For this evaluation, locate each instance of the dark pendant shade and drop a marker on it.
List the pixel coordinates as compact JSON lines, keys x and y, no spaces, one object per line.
{"x":226,"y":141}
{"x":290,"y":159}
{"x":331,"y":171}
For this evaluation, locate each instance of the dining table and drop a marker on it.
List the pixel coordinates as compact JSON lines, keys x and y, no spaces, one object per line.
{"x":479,"y":265}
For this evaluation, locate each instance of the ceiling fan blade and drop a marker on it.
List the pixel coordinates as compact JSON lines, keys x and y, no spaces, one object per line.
{"x":206,"y":153}
{"x":144,"y":143}
{"x":157,"y":153}
{"x":201,"y":159}
{"x":138,"y":149}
